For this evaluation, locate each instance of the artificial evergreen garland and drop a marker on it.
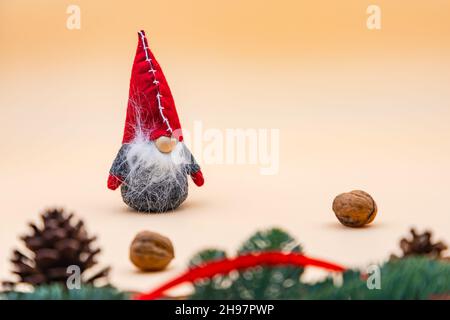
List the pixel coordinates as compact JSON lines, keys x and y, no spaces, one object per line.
{"x":417,"y":276}
{"x":58,"y":291}
{"x":253,"y":283}
{"x":413,"y":277}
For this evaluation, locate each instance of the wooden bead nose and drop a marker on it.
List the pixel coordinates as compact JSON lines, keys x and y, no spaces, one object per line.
{"x":165,"y":144}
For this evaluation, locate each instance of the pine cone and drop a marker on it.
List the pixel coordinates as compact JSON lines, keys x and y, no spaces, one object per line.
{"x":53,"y":247}
{"x":422,"y":244}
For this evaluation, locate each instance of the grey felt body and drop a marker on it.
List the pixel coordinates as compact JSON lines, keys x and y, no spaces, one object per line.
{"x":162,"y":196}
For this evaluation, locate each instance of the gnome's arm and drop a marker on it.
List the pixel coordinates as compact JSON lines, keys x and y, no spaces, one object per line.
{"x":193,"y":169}
{"x":119,"y":169}
{"x":197,"y":177}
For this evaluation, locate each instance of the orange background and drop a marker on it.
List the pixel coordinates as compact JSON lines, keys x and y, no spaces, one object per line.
{"x":355,"y":108}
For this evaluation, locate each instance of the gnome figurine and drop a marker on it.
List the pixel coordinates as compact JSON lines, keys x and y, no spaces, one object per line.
{"x":153,"y":163}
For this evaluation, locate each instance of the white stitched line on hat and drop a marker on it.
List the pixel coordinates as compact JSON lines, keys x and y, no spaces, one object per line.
{"x":156,"y":82}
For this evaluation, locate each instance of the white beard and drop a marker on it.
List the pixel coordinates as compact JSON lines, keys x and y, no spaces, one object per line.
{"x":144,"y":154}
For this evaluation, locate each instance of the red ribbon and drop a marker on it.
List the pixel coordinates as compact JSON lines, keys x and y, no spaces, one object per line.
{"x":226,"y":265}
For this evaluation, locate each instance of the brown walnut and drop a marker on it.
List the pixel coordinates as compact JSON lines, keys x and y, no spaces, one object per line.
{"x":355,"y":209}
{"x":151,"y":251}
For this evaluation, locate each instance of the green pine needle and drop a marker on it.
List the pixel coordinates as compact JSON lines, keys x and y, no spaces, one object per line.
{"x":59,"y":292}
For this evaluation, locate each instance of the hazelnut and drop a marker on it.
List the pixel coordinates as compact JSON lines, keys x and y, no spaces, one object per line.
{"x":151,"y":251}
{"x":355,"y":208}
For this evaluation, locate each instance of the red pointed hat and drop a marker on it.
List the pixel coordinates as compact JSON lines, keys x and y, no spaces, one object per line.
{"x":151,"y":108}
